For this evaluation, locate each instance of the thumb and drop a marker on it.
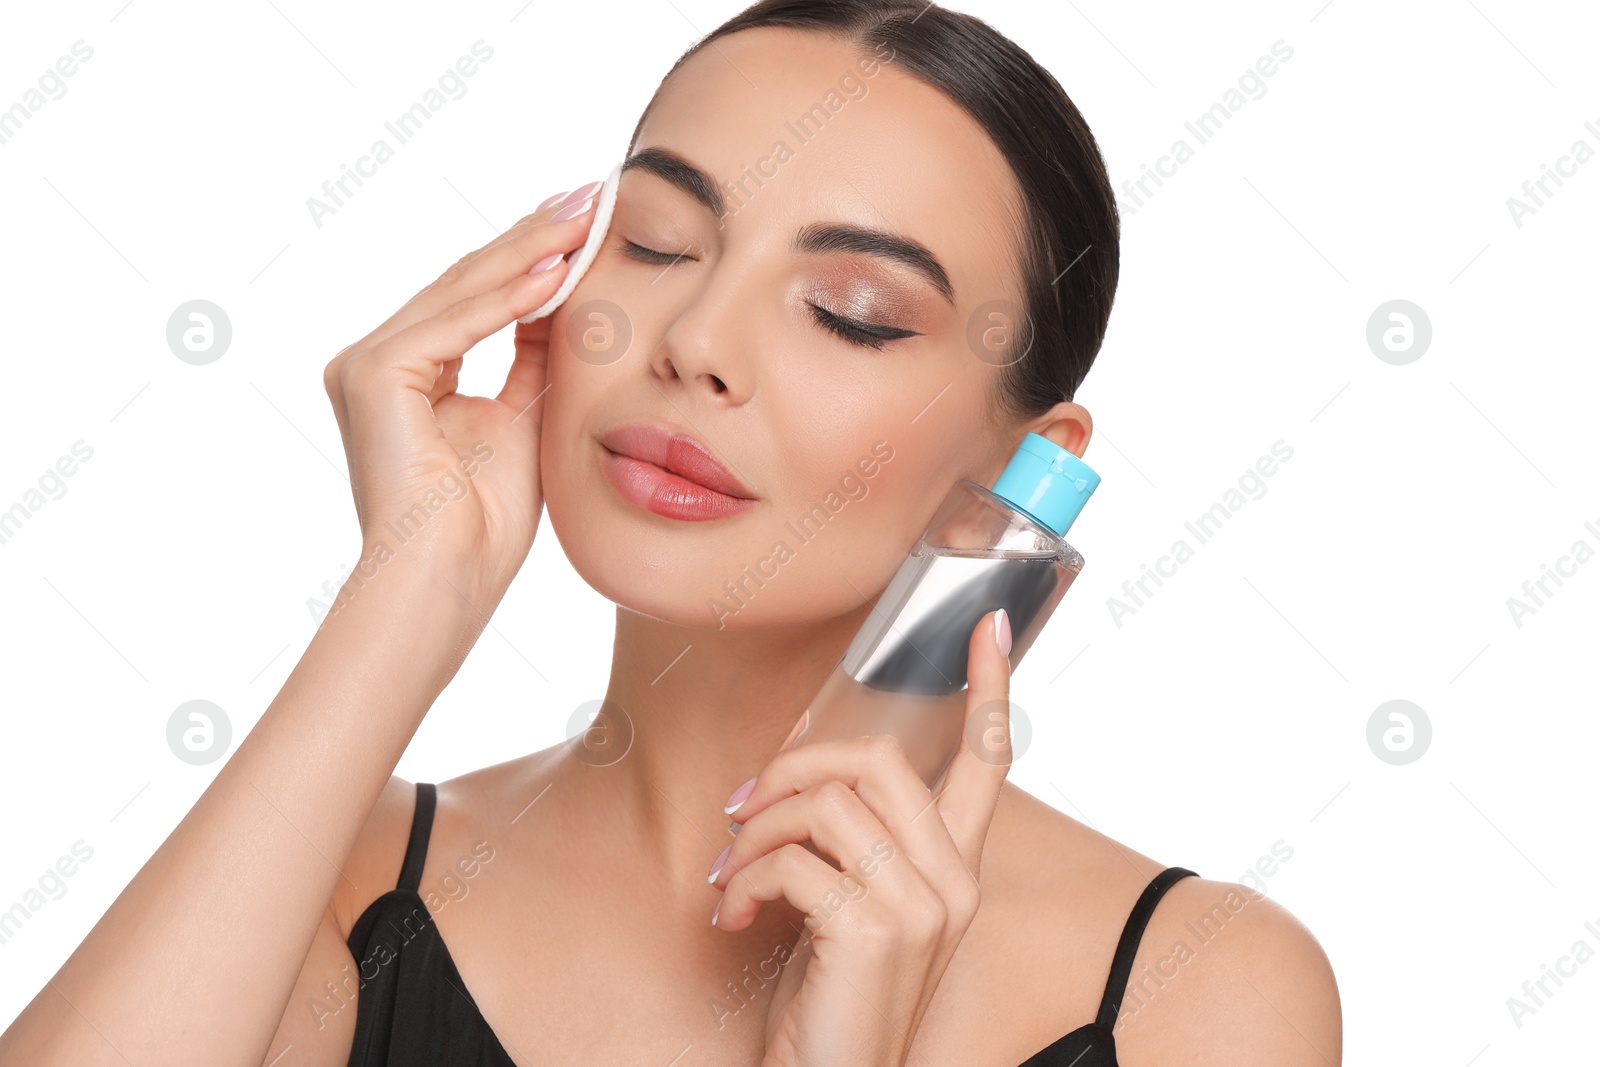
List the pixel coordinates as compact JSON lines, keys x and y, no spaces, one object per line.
{"x":979,"y":768}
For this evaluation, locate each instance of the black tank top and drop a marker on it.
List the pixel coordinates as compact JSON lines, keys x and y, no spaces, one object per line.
{"x":413,"y":1010}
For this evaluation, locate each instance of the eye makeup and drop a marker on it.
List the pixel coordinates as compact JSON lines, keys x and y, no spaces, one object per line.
{"x":816,"y":237}
{"x":864,"y":303}
{"x":854,"y":297}
{"x":868,"y":334}
{"x":860,"y":333}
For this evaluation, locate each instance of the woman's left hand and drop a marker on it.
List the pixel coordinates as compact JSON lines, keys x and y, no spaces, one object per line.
{"x":880,"y":932}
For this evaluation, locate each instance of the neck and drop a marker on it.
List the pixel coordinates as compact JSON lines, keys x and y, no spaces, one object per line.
{"x":707,"y":709}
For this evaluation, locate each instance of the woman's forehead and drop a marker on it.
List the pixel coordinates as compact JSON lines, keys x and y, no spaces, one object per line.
{"x":795,"y":128}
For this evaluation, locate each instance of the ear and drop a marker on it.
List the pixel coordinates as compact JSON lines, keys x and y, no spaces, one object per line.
{"x":1067,"y":424}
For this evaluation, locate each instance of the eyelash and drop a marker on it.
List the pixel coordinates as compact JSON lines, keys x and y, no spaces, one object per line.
{"x":648,"y":255}
{"x":858,"y":333}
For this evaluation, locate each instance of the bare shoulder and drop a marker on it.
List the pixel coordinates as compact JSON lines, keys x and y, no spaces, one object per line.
{"x":496,"y":794}
{"x":1226,"y":974}
{"x":1223,"y":973}
{"x":494,"y":815}
{"x":1054,"y":896}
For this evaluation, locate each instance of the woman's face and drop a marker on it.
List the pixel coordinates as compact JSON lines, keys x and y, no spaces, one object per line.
{"x":845,"y":448}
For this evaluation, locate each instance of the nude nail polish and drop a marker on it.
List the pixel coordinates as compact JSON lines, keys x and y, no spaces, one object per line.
{"x":738,"y":797}
{"x":582,"y":192}
{"x":572,"y":211}
{"x":722,"y":857}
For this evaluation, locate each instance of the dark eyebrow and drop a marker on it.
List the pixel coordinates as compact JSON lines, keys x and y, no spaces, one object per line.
{"x":673,"y":168}
{"x":816,"y":237}
{"x":837,"y":237}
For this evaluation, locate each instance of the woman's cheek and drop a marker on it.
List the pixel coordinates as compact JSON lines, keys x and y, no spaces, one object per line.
{"x":855,"y":529}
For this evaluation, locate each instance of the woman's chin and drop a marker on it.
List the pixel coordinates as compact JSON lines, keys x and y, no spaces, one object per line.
{"x":639,"y":570}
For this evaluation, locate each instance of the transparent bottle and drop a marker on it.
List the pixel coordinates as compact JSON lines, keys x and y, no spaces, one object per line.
{"x":905,"y":672}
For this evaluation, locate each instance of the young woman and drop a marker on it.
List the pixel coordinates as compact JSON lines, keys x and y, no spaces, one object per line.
{"x":820,"y":203}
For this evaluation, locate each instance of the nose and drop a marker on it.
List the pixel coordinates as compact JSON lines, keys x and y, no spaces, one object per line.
{"x":708,"y":347}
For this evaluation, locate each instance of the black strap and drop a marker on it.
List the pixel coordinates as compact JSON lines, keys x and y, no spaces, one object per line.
{"x":1122,"y":962}
{"x":417,"y":847}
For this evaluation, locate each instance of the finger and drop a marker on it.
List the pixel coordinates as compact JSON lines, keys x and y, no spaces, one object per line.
{"x":333,"y":385}
{"x":520,"y":240}
{"x":798,"y":729}
{"x":834,"y":818}
{"x":878,"y":770}
{"x":539,"y":215}
{"x":552,"y":201}
{"x":529,"y":373}
{"x":415,"y":353}
{"x":806,"y":881}
{"x":972,"y":783}
{"x":447,"y":382}
{"x":508,"y":255}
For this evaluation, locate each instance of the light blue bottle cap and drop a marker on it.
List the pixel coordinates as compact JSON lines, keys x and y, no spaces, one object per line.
{"x":1048,"y":482}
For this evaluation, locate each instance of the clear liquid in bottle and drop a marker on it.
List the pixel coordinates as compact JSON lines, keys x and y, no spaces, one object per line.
{"x":905,"y":671}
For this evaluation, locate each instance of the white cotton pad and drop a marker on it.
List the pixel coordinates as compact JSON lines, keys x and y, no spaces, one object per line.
{"x":579,"y":261}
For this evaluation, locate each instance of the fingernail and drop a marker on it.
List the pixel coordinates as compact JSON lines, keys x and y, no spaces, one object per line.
{"x":738,"y":797}
{"x":572,"y":211}
{"x":714,"y":912}
{"x":582,"y":191}
{"x":722,"y":857}
{"x":1002,"y":632}
{"x":547,"y":263}
{"x":550,"y":202}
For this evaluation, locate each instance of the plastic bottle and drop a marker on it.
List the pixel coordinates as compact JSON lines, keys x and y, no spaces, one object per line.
{"x":905,"y":672}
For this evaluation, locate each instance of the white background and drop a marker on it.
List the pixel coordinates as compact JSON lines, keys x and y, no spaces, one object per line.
{"x":1227,"y":714}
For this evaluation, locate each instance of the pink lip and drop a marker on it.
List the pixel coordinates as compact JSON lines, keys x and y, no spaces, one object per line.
{"x":671,"y":474}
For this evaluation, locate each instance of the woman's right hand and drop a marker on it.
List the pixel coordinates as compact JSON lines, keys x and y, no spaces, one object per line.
{"x":438,"y":475}
{"x":264,"y":860}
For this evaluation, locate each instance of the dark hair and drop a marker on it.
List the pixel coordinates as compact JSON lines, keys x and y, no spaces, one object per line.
{"x":1070,"y":224}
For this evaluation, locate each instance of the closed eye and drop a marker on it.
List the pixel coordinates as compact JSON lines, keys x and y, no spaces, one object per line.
{"x":649,"y":255}
{"x":866,"y":334}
